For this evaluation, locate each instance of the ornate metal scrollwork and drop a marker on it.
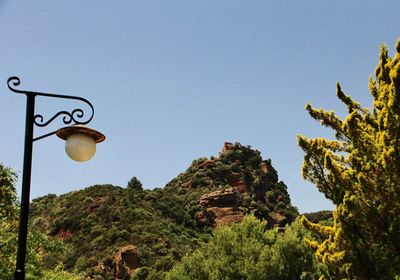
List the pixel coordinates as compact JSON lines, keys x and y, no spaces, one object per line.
{"x":74,"y":117}
{"x":69,"y":117}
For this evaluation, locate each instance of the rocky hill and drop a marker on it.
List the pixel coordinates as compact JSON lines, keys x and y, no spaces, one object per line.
{"x":110,"y":231}
{"x":236,"y":183}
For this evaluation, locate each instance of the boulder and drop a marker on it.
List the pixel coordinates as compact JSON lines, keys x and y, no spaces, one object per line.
{"x":126,"y":261}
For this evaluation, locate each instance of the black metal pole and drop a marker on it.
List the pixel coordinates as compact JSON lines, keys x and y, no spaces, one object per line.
{"x":26,"y":186}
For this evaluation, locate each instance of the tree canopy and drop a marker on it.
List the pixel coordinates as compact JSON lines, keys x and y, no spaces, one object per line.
{"x":360,"y":172}
{"x":249,"y":251}
{"x":135,"y":184}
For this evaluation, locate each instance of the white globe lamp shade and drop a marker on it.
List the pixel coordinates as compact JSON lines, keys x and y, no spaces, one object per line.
{"x":80,"y":147}
{"x":80,"y":142}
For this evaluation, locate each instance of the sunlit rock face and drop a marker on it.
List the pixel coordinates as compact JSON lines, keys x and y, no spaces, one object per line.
{"x":222,"y":206}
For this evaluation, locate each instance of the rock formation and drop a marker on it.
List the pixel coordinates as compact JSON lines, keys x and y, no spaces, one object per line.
{"x":239,"y":182}
{"x":222,"y":206}
{"x":125,"y":262}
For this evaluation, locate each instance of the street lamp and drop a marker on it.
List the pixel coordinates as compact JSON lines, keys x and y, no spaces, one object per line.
{"x":80,"y":146}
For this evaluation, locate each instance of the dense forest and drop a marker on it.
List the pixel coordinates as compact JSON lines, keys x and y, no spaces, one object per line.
{"x":229,"y":216}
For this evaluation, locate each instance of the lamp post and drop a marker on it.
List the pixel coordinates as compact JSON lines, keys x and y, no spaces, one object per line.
{"x":80,"y":146}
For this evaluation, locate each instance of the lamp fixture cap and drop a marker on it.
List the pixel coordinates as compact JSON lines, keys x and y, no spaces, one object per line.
{"x":66,"y":132}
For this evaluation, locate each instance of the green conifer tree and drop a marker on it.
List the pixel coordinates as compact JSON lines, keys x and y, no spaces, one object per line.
{"x":360,"y":172}
{"x":135,"y":184}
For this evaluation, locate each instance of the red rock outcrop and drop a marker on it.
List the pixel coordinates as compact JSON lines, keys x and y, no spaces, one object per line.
{"x":125,"y":262}
{"x":222,"y":206}
{"x":225,"y":215}
{"x":248,"y":178}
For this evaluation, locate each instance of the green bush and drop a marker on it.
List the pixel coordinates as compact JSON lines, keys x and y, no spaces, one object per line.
{"x":248,"y":251}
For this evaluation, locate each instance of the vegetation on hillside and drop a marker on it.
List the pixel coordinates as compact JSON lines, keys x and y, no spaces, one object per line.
{"x":107,"y":219}
{"x":162,"y":223}
{"x":360,"y":173}
{"x":249,"y":251}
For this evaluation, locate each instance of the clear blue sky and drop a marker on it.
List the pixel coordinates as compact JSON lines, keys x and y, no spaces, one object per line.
{"x":171,"y":81}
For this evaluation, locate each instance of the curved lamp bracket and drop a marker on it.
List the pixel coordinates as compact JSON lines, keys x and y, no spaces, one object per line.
{"x":75,"y":116}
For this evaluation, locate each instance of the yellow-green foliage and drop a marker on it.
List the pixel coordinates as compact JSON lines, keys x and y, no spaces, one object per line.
{"x":360,"y":172}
